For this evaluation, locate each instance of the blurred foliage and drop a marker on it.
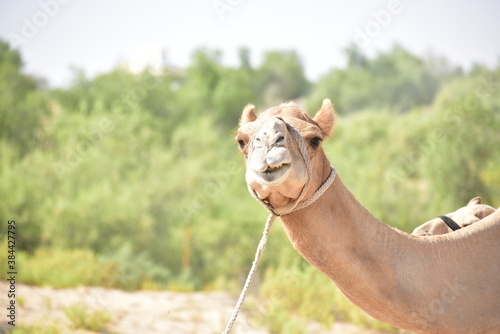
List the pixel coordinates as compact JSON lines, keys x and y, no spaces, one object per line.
{"x":82,"y":318}
{"x":66,"y":268}
{"x":395,"y":80}
{"x":39,"y":328}
{"x":313,"y":298}
{"x":22,"y":107}
{"x":136,"y":175}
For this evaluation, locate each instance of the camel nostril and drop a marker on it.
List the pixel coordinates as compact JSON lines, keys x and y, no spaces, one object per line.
{"x":269,"y":138}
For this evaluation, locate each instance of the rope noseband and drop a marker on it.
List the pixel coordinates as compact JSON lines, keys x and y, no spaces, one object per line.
{"x":293,"y":206}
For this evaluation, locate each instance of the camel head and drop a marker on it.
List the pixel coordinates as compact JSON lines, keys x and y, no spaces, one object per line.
{"x":473,"y":212}
{"x":276,"y":169}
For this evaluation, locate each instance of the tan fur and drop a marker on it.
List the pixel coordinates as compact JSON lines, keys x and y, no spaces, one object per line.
{"x":326,"y":117}
{"x":439,"y":284}
{"x":248,"y":114}
{"x":472,"y":213}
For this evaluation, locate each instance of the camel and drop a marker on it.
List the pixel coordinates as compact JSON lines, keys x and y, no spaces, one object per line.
{"x":439,"y":284}
{"x":473,"y":212}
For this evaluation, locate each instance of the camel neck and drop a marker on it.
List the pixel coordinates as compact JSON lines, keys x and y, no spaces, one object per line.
{"x":337,"y":220}
{"x":341,"y":238}
{"x":387,"y":272}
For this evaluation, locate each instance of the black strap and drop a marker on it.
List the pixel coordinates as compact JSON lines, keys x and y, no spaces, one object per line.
{"x":454,"y":226}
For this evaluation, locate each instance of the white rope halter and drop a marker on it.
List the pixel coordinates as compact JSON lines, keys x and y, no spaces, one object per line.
{"x":293,"y":206}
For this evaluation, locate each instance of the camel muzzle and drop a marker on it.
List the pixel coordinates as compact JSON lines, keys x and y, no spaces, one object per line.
{"x":269,"y":160}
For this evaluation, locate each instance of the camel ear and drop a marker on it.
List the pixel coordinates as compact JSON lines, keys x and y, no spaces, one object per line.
{"x":248,"y":114}
{"x":475,"y":200}
{"x":325,"y":117}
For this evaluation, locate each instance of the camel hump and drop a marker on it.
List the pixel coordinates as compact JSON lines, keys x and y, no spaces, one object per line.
{"x":474,"y":201}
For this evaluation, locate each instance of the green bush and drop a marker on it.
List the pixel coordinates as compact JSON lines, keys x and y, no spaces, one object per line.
{"x":293,"y":295}
{"x":37,"y":329}
{"x":135,"y":270}
{"x":81,"y":318}
{"x":65,"y":268}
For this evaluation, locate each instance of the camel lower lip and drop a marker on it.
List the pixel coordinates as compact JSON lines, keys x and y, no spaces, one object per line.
{"x":274,"y":175}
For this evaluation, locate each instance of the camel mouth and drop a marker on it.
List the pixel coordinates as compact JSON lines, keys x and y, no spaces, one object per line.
{"x":274,"y":175}
{"x":271,"y":170}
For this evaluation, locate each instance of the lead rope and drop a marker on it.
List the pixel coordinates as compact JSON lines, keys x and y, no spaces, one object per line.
{"x":262,"y":244}
{"x":289,"y":208}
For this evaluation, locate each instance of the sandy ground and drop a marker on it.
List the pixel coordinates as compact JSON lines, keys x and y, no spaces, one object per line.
{"x":148,"y":312}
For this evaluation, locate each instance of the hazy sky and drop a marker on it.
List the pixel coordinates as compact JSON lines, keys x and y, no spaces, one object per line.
{"x":53,"y":35}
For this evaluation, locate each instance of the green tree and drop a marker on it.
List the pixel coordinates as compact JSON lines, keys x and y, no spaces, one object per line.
{"x":465,"y":133}
{"x":395,"y":80}
{"x":21,"y":107}
{"x":281,"y":77}
{"x":201,"y":80}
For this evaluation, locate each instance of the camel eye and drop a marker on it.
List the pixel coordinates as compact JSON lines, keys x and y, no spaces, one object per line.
{"x":315,"y":142}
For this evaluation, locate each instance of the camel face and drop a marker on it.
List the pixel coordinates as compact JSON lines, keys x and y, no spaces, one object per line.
{"x":276,"y":170}
{"x":271,"y":157}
